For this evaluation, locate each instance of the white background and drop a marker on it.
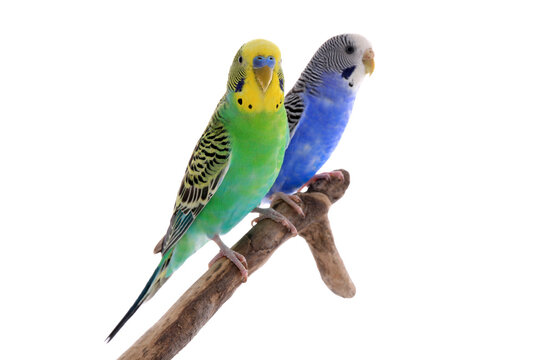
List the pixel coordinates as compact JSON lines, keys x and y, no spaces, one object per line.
{"x":102,"y":102}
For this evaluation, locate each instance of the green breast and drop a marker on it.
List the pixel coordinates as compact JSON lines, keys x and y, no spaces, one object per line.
{"x":258,"y":144}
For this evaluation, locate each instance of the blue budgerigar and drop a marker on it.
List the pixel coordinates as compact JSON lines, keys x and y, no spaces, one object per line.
{"x":318,"y":109}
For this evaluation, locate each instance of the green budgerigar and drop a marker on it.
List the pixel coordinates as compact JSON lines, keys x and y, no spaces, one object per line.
{"x":233,"y":166}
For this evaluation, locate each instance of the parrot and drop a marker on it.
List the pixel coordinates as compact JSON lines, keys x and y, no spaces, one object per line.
{"x":318,"y":109}
{"x":233,"y":165}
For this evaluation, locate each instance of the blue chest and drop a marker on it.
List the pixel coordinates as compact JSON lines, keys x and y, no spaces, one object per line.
{"x":320,"y":128}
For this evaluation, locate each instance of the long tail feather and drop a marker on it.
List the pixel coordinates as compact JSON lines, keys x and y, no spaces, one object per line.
{"x":157,"y":280}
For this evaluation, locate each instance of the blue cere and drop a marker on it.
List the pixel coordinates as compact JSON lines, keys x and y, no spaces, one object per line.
{"x":261,"y":61}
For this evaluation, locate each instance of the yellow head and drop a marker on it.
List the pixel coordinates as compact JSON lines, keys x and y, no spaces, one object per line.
{"x":256,"y":80}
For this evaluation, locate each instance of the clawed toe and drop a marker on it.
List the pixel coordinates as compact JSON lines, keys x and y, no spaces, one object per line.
{"x":326,"y":176}
{"x":291,"y":200}
{"x":295,"y":198}
{"x":273,"y":215}
{"x":337,"y":174}
{"x":235,"y":257}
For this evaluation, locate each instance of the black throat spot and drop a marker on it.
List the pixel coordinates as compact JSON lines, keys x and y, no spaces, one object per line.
{"x":347,"y":72}
{"x":239,"y":85}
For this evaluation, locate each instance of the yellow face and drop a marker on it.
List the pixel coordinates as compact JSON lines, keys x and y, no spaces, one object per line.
{"x":256,"y":78}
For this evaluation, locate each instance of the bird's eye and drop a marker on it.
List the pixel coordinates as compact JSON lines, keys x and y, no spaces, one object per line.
{"x":349,"y":49}
{"x":240,"y":59}
{"x":271,"y":58}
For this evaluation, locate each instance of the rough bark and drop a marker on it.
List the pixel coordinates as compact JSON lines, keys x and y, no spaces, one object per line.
{"x":201,"y":301}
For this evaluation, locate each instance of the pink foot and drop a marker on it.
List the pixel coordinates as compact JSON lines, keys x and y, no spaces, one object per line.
{"x":291,"y":200}
{"x":273,"y":215}
{"x":324,"y":175}
{"x":237,"y":259}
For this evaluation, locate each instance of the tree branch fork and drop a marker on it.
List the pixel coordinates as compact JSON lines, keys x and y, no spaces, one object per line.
{"x":202,"y":300}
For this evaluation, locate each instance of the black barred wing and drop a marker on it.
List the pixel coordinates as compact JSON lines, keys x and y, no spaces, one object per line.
{"x":206,"y":169}
{"x":294,"y":105}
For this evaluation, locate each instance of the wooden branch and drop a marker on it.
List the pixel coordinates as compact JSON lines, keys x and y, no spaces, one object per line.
{"x":201,"y":301}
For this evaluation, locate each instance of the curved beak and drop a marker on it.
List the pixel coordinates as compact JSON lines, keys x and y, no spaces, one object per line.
{"x":263,"y":76}
{"x":369,"y":63}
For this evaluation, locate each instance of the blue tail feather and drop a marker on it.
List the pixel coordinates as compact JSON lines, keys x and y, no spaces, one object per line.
{"x":157,"y":279}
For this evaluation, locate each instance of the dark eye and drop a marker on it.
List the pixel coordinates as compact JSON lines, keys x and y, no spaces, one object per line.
{"x":349,"y":49}
{"x":240,"y":59}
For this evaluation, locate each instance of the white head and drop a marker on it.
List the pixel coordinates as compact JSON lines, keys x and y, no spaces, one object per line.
{"x":349,"y":56}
